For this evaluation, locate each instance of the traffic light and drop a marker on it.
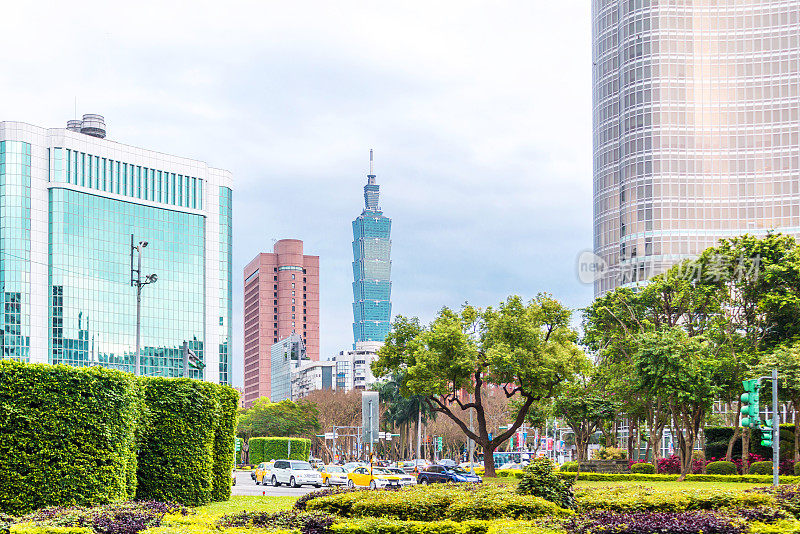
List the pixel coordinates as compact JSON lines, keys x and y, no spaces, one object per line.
{"x":750,"y":407}
{"x":766,"y":434}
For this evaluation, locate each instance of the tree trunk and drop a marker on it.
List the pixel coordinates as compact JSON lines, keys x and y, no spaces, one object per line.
{"x":745,"y":451}
{"x":488,"y":458}
{"x":796,"y":452}
{"x":736,"y":431}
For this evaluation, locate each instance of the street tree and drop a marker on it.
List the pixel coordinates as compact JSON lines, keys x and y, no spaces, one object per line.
{"x":683,"y":369}
{"x":283,"y":419}
{"x":583,"y":409}
{"x":525,"y":349}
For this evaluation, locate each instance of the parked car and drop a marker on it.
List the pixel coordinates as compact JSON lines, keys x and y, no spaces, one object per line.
{"x":466,"y":465}
{"x":379,"y":478}
{"x":333,"y":475}
{"x":263,"y":472}
{"x":405,"y":478}
{"x":447,"y":462}
{"x":439,"y":473}
{"x":410,"y":466}
{"x":295,"y":473}
{"x":233,"y":478}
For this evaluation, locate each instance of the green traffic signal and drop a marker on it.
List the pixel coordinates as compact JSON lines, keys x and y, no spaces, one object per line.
{"x":750,"y":399}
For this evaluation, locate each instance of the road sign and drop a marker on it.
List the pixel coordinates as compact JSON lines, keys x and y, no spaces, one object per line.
{"x":369,"y":416}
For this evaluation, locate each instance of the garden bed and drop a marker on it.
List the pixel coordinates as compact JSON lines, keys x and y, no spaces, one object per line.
{"x":443,"y":509}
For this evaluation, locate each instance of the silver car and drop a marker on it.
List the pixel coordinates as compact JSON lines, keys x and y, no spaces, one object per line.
{"x":295,"y":473}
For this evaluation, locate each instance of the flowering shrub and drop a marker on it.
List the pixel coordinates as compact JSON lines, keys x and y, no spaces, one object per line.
{"x":787,"y":497}
{"x":300,"y":504}
{"x":306,"y":522}
{"x":655,"y":522}
{"x":118,"y":518}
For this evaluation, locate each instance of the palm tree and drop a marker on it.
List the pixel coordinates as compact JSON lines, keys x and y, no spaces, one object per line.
{"x":402,"y":413}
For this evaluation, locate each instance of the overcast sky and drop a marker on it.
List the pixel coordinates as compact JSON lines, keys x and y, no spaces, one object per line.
{"x":479,"y":114}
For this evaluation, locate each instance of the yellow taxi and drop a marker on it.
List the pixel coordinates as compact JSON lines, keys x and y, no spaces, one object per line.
{"x":333,"y":475}
{"x":379,"y":478}
{"x":264,"y":472}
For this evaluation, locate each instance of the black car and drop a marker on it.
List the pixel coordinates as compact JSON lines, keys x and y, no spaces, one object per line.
{"x":440,"y":473}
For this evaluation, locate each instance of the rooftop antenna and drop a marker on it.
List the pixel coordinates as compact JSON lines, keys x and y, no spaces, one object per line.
{"x":370,"y":162}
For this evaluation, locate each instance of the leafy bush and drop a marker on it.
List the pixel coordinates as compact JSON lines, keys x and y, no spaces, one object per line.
{"x":721,"y":468}
{"x":176,"y":449}
{"x":786,"y":497}
{"x":67,"y":435}
{"x":571,"y":467}
{"x":540,"y":480}
{"x":796,"y":469}
{"x":224,"y":442}
{"x":610,"y":453}
{"x":430,"y":503}
{"x":266,"y":449}
{"x":761,"y":468}
{"x":643,"y":499}
{"x":655,"y":523}
{"x":389,"y":526}
{"x":300,"y":504}
{"x":643,"y":468}
{"x":306,"y":522}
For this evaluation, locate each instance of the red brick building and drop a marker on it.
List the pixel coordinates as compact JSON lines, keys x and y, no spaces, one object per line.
{"x":281,"y":296}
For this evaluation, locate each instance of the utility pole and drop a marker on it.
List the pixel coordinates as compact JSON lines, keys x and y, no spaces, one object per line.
{"x":138,"y":283}
{"x":419,"y":434}
{"x":776,"y":429}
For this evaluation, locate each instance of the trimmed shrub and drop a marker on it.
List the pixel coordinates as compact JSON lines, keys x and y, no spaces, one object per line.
{"x":176,"y":449}
{"x":797,"y":469}
{"x":628,"y":499}
{"x":389,"y":526}
{"x":266,"y":449}
{"x":761,"y":468}
{"x":431,"y":503}
{"x":67,"y":436}
{"x":721,"y":468}
{"x":645,"y":468}
{"x":540,"y":480}
{"x":571,"y":467}
{"x":224,"y":442}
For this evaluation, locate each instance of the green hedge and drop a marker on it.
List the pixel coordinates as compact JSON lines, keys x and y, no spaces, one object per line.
{"x":389,"y":526}
{"x":436,"y":502}
{"x":266,"y":449}
{"x":755,"y":479}
{"x":627,"y":499}
{"x":84,"y":436}
{"x":761,"y":468}
{"x":644,"y":468}
{"x":721,"y":468}
{"x":176,"y":450}
{"x":224,"y":442}
{"x":717,"y":438}
{"x":67,"y":436}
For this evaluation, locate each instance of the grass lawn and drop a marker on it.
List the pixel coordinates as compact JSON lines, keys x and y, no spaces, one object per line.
{"x":250,"y":503}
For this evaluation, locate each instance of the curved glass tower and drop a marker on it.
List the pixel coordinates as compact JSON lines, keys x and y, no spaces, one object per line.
{"x":696,"y":112}
{"x":372,"y":286}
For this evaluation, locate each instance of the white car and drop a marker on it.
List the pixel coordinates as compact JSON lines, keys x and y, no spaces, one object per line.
{"x":405,"y":478}
{"x":295,"y":473}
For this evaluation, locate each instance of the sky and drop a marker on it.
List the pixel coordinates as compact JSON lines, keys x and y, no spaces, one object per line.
{"x":479,"y":114}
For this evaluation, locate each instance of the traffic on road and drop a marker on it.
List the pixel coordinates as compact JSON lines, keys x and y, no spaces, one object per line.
{"x":296,"y":477}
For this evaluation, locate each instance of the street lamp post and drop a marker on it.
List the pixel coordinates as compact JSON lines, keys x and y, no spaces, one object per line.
{"x":138,"y":284}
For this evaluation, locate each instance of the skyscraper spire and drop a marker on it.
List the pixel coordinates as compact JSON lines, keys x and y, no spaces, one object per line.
{"x":372,"y":189}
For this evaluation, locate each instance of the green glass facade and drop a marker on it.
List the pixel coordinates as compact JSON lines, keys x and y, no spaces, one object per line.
{"x":225,"y":283}
{"x":92,"y":302}
{"x":69,"y":206}
{"x":372,"y":286}
{"x":15,"y":246}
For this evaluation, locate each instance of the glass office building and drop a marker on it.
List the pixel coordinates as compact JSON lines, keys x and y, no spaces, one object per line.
{"x":70,"y":200}
{"x":372,"y":286}
{"x":286,"y":357}
{"x":696,"y":112}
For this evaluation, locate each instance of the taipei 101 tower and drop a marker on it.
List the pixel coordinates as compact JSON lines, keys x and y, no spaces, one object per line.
{"x":372,"y":266}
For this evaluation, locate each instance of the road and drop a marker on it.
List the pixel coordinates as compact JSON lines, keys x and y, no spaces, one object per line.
{"x":247,"y":486}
